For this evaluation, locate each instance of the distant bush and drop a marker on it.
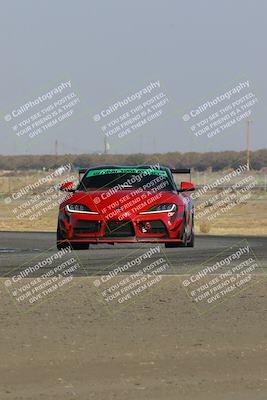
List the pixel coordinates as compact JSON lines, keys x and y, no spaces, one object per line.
{"x":214,"y":161}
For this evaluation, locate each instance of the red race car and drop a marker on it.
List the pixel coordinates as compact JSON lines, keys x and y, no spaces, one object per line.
{"x":125,"y":204}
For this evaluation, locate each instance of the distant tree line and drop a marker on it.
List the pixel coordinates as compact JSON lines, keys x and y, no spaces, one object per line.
{"x":199,"y":161}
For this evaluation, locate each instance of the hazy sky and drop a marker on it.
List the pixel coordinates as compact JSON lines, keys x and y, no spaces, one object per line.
{"x":111,"y":49}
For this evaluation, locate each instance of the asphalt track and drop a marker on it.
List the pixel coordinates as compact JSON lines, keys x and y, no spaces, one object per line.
{"x":18,"y":248}
{"x":156,"y":348}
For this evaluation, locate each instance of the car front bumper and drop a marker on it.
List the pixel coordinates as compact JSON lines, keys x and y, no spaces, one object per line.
{"x":148,"y":228}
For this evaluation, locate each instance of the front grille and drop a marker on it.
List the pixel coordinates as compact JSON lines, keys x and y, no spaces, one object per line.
{"x":84,"y":226}
{"x":119,"y":229}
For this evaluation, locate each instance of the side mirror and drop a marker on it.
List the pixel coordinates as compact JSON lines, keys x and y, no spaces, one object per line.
{"x":66,"y":187}
{"x":186,"y":187}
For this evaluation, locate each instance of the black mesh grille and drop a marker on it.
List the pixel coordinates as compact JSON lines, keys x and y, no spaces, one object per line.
{"x":84,"y":226}
{"x":119,"y":229}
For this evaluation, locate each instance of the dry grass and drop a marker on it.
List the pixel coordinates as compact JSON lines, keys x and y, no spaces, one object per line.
{"x":9,"y":222}
{"x":247,"y":219}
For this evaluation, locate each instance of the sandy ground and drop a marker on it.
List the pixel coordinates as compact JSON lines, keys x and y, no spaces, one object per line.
{"x":158,"y":348}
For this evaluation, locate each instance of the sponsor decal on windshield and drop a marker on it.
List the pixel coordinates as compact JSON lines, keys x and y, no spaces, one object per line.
{"x":143,"y":171}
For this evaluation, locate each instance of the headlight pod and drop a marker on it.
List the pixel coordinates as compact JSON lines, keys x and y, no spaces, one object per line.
{"x":79,"y":208}
{"x":159,"y":208}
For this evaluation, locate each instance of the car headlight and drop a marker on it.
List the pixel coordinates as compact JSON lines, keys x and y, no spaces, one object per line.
{"x":79,"y":208}
{"x":168,"y":207}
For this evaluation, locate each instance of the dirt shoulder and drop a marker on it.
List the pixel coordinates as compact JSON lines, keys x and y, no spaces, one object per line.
{"x":157,"y":348}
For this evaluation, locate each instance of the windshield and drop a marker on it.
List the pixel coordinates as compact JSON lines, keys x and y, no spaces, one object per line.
{"x":126,"y":179}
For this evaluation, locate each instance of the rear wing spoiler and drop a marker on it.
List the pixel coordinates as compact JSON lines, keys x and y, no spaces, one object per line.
{"x":81,"y":173}
{"x":174,"y":171}
{"x":177,"y":171}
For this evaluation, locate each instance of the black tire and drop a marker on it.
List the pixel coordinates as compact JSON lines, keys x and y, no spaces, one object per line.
{"x":61,"y":245}
{"x":191,"y":241}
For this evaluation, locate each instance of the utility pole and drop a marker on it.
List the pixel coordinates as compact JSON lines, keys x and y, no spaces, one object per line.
{"x":248,"y":142}
{"x":56,"y":150}
{"x":106,"y":145}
